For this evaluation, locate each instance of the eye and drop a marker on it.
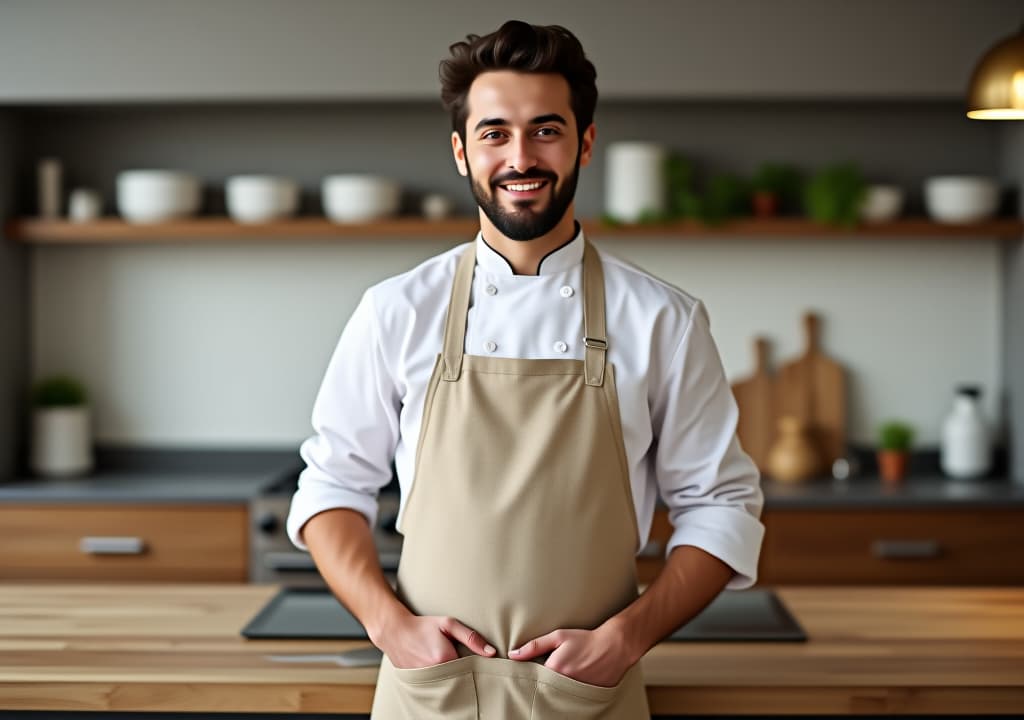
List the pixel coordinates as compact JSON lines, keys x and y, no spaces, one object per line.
{"x":548,"y":131}
{"x":491,"y":135}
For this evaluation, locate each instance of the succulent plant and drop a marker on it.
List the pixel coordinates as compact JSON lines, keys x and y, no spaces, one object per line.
{"x":895,"y":435}
{"x":58,"y":391}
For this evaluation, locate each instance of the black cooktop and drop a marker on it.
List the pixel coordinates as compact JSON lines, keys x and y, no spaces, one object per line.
{"x":735,"y":615}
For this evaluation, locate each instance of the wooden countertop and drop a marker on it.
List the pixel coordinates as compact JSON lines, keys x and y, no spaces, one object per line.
{"x":177,"y":648}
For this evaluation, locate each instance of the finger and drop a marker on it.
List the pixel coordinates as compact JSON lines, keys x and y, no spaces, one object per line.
{"x":467,"y":636}
{"x":538,"y":646}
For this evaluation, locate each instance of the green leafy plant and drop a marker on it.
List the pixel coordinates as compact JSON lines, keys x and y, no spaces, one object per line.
{"x":834,"y":195}
{"x":895,"y":435}
{"x":783,"y":181}
{"x":58,"y":391}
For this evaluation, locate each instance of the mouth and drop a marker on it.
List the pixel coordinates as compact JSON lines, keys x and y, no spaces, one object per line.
{"x":524,"y":189}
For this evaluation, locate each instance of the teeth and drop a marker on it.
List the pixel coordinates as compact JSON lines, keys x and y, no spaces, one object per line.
{"x":524,"y":188}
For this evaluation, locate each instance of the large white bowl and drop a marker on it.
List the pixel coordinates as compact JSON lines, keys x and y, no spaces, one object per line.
{"x":961,"y":198}
{"x":359,"y":198}
{"x":151,"y":196}
{"x":260,"y":198}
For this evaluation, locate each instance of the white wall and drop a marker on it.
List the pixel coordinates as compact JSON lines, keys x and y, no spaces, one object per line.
{"x":226,"y":344}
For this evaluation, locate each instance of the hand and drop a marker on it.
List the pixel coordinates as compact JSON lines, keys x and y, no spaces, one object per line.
{"x":414,"y":641}
{"x":591,"y":656}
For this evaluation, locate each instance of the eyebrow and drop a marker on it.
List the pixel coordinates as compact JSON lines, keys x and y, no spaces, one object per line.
{"x":539,"y":120}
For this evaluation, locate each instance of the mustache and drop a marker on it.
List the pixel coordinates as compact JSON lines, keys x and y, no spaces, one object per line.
{"x":513,"y":177}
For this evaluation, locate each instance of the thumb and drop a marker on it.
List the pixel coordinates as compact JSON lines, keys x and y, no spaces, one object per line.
{"x":538,"y":646}
{"x":468,"y":637}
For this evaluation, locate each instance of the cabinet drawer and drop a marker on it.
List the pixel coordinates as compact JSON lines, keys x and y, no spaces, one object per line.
{"x":124,"y":542}
{"x":893,"y":547}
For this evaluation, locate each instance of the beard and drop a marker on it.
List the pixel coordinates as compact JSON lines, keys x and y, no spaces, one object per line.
{"x":525,"y":223}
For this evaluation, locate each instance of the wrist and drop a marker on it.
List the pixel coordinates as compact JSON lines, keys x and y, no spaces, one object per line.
{"x":380,"y":626}
{"x":621,"y":633}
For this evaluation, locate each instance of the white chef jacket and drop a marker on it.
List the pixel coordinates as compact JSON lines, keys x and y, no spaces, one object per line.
{"x":677,"y":409}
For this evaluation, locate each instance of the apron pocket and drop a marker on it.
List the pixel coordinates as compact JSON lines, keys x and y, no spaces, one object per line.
{"x":439,"y":692}
{"x":561,"y":696}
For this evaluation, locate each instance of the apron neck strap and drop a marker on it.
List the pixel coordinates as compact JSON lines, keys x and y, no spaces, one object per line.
{"x":458,"y":309}
{"x":595,"y":337}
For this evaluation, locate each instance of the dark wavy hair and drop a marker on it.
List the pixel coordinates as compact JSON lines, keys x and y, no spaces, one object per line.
{"x":522,"y":47}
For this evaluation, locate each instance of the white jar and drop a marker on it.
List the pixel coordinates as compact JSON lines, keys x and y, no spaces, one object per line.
{"x":61,"y":441}
{"x":966,"y":450}
{"x":636,"y":180}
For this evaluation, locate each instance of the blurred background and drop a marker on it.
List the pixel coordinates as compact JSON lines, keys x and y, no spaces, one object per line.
{"x":208,"y":332}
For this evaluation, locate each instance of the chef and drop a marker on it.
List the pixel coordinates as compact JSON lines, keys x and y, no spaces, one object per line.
{"x":537,"y":396}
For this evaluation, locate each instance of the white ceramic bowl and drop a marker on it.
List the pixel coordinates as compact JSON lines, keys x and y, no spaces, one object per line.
{"x":961,"y":198}
{"x":260,"y":198}
{"x":881,"y":203}
{"x":359,"y":198}
{"x":151,"y":196}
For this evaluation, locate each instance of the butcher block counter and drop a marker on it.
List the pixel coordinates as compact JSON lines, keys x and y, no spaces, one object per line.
{"x":118,"y":647}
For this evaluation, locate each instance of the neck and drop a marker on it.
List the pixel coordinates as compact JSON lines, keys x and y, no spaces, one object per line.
{"x":525,"y":255}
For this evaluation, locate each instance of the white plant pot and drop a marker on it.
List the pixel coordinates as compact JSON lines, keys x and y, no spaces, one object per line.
{"x":61,"y":441}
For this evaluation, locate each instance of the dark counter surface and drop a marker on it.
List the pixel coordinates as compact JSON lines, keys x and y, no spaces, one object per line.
{"x":169,"y":476}
{"x":236,"y":476}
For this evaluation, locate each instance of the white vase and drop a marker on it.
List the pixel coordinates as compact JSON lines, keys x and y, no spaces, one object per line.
{"x":966,"y":450}
{"x":636,"y":180}
{"x":61,"y":441}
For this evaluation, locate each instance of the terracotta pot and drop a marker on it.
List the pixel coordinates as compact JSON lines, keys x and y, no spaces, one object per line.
{"x":892,"y":465}
{"x":766,"y":204}
{"x":793,"y":457}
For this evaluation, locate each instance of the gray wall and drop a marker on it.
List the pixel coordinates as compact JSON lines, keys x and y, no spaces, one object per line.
{"x":14,"y":313}
{"x":66,"y":50}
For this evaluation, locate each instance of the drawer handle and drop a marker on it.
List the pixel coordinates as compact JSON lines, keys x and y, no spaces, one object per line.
{"x":906,"y":549}
{"x":112,"y":545}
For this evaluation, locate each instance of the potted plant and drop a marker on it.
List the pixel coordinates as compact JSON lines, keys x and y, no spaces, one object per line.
{"x":834,"y":195}
{"x":61,"y":434}
{"x":894,"y":439}
{"x":775,"y":189}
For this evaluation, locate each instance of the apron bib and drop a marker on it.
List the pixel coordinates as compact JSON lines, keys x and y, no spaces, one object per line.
{"x":520,"y":521}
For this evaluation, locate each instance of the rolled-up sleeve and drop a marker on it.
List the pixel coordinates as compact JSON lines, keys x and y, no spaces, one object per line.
{"x":711,"y":486}
{"x":355,"y":422}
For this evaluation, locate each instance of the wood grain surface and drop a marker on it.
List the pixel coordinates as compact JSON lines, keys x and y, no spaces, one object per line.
{"x":755,"y":397}
{"x":177,"y":648}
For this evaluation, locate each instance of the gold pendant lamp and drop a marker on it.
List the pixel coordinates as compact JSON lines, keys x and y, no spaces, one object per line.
{"x":996,"y":91}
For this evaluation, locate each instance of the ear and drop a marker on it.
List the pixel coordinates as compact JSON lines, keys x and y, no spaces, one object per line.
{"x":459,"y":152}
{"x":587,"y":145}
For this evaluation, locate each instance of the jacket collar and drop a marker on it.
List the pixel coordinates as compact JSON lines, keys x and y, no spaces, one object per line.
{"x":565,"y":257}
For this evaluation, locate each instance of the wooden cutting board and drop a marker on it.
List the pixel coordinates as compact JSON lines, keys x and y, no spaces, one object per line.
{"x":755,"y":397}
{"x":813,"y":389}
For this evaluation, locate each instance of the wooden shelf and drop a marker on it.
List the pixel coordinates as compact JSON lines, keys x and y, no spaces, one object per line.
{"x":37,"y":231}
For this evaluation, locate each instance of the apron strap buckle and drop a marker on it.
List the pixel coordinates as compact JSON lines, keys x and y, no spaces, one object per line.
{"x":593,"y":360}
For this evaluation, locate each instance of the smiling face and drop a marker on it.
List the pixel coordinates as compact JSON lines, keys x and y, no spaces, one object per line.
{"x":522,"y":154}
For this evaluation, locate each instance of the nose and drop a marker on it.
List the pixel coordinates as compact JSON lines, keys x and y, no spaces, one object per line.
{"x":521,"y":157}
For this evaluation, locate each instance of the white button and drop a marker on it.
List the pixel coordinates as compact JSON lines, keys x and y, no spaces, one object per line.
{"x":491,"y":290}
{"x":561,"y":346}
{"x":566,"y":291}
{"x":490,"y":346}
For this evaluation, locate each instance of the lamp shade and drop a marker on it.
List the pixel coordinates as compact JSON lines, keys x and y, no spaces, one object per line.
{"x":996,"y":91}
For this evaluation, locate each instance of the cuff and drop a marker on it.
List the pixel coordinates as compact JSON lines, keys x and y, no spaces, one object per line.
{"x":731,"y":534}
{"x":308,"y":502}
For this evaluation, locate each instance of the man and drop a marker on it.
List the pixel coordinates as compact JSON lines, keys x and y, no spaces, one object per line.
{"x":530,"y":436}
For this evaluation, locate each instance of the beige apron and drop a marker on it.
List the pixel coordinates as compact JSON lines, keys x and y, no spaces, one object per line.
{"x":520,"y":521}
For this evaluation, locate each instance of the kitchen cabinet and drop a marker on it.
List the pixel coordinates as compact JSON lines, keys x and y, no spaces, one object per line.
{"x":880,"y":546}
{"x":145,"y":542}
